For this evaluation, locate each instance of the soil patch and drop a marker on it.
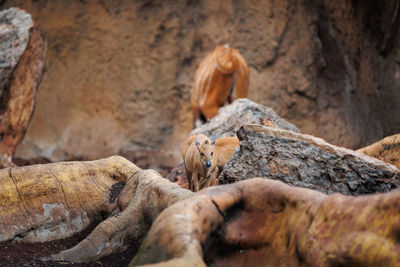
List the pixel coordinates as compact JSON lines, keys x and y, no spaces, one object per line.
{"x":30,"y":254}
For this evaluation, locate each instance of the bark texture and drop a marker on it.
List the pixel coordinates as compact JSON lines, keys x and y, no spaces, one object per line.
{"x":329,"y":66}
{"x":144,"y":197}
{"x":261,"y":222}
{"x":22,"y":56}
{"x":53,"y":201}
{"x":307,"y":161}
{"x":257,"y":221}
{"x":387,"y":150}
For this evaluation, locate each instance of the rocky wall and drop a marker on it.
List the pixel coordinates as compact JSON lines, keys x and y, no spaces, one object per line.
{"x":118,"y":73}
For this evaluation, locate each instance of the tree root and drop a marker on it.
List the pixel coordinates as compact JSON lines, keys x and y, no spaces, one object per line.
{"x":264,"y":222}
{"x":52,"y":201}
{"x":143,"y":198}
{"x":387,"y":150}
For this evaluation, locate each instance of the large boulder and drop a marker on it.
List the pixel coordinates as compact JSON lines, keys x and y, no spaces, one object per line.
{"x":22,"y":57}
{"x":306,"y":161}
{"x":242,"y":111}
{"x":228,"y":120}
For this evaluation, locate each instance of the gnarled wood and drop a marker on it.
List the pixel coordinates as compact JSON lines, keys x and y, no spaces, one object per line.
{"x":261,"y":222}
{"x":144,"y":197}
{"x":257,"y":221}
{"x":52,"y":201}
{"x":387,"y":150}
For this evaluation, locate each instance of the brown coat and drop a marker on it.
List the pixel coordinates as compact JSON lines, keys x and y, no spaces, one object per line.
{"x":222,"y":77}
{"x":197,"y":154}
{"x":224,"y":149}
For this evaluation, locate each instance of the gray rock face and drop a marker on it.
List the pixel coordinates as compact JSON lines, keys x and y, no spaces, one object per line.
{"x":306,"y":161}
{"x":22,"y":58}
{"x":14,"y":27}
{"x":241,"y":112}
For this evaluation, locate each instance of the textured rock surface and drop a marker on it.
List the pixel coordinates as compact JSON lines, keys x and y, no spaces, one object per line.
{"x":306,"y":161}
{"x":119,"y":73}
{"x":22,"y":57}
{"x":242,"y":111}
{"x":229,"y":119}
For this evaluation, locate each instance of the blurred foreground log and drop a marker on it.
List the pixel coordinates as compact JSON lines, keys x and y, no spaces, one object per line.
{"x":143,"y":198}
{"x":22,"y":56}
{"x":262,"y":222}
{"x":45,"y":202}
{"x":257,"y":221}
{"x":52,"y":201}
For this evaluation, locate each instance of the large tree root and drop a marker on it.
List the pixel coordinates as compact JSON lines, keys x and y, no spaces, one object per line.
{"x":52,"y":201}
{"x":262,"y":222}
{"x":144,"y":197}
{"x":252,"y":222}
{"x":387,"y":150}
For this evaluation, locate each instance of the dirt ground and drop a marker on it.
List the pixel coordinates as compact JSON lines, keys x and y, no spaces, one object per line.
{"x":29,"y":254}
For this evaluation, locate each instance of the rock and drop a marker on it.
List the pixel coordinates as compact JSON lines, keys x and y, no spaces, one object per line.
{"x":242,"y":111}
{"x":22,"y":57}
{"x":228,"y":120}
{"x":306,"y":161}
{"x":119,"y":73}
